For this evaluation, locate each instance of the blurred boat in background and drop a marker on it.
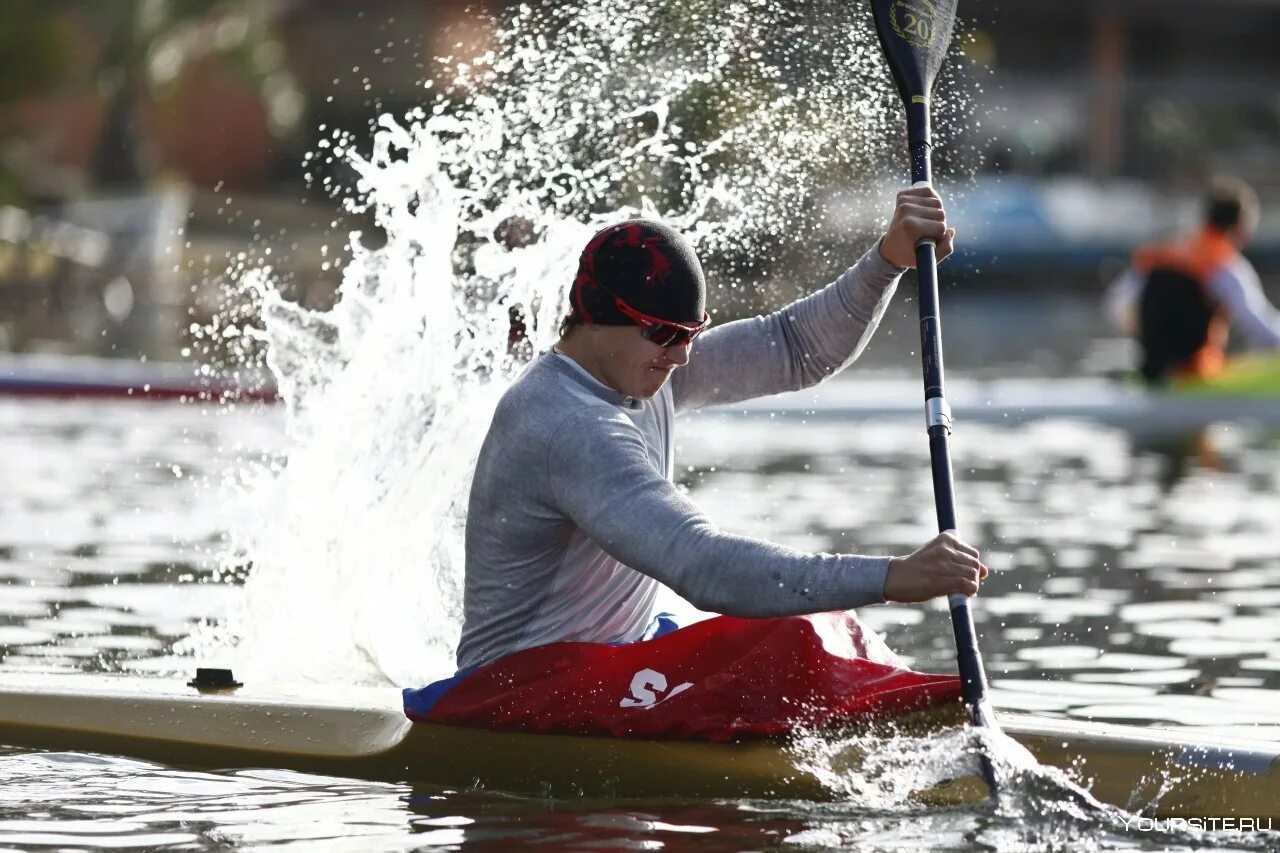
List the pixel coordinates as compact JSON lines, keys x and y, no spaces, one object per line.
{"x":1248,"y":391}
{"x":68,"y":376}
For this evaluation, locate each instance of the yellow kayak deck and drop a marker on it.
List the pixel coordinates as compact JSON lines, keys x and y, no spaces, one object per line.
{"x":363,"y":733}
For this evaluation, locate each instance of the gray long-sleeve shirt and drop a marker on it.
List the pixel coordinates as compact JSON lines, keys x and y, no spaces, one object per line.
{"x":573,"y":518}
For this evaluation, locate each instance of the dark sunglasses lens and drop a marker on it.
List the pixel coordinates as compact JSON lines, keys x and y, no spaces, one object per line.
{"x":660,"y":335}
{"x":668,"y":336}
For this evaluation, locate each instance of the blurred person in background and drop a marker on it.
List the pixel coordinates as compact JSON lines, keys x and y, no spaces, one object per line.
{"x":1180,"y":298}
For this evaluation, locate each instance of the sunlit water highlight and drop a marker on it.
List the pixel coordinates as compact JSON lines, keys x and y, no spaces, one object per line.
{"x":102,"y":544}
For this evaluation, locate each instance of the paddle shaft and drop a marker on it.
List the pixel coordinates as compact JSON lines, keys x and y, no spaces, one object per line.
{"x":938,"y":416}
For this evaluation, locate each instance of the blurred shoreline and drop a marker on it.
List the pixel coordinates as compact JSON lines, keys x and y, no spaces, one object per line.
{"x":151,"y":151}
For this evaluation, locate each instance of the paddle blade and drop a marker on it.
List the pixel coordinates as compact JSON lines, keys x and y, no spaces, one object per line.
{"x":915,"y":35}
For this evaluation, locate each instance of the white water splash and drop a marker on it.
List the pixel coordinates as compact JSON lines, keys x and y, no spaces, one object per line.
{"x":1038,"y":807}
{"x":890,"y":772}
{"x":357,"y":560}
{"x":888,"y":769}
{"x":729,"y":119}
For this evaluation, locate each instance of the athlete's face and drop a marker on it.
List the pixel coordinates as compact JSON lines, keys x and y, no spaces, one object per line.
{"x":631,"y":364}
{"x":1245,"y":230}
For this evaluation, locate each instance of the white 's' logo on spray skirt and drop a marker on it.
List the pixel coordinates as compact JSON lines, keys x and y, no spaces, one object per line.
{"x":646,"y":685}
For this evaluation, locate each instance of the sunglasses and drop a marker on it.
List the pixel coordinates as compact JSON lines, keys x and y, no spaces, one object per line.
{"x":664,"y":333}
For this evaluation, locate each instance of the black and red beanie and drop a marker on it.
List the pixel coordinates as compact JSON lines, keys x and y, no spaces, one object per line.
{"x":648,"y":265}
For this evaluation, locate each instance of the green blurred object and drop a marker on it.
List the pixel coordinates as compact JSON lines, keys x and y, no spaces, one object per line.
{"x":1247,"y":376}
{"x":34,"y":52}
{"x":34,"y":57}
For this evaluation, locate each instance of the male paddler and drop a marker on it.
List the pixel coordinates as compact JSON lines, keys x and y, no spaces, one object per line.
{"x":1180,"y":298}
{"x":573,"y":519}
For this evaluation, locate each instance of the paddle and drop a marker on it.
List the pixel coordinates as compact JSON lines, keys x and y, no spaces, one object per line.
{"x":914,"y":35}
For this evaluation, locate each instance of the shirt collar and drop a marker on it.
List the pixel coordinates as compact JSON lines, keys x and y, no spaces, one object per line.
{"x":583,"y":376}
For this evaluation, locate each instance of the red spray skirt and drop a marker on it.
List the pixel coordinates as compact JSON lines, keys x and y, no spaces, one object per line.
{"x":718,"y":680}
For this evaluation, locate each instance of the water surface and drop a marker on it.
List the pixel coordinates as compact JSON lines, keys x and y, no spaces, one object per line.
{"x":1133,"y":582}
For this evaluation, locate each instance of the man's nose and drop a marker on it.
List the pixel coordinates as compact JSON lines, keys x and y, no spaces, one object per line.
{"x":678,"y":354}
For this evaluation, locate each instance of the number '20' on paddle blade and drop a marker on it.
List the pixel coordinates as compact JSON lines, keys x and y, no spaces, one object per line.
{"x":914,"y":35}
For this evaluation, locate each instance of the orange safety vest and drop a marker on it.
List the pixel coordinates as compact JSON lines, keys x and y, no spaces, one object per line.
{"x":1182,"y":328}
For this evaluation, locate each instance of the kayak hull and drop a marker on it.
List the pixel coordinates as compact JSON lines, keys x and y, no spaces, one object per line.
{"x":363,"y":733}
{"x":370,"y":738}
{"x":1183,"y":774}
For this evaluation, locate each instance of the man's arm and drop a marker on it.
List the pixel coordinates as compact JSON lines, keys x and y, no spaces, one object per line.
{"x":1237,"y":287}
{"x":793,"y":348}
{"x":1121,"y":301}
{"x":821,"y":334}
{"x":601,"y":478}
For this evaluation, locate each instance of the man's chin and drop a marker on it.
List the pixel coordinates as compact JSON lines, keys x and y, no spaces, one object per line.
{"x":649,"y":391}
{"x":646,"y":390}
